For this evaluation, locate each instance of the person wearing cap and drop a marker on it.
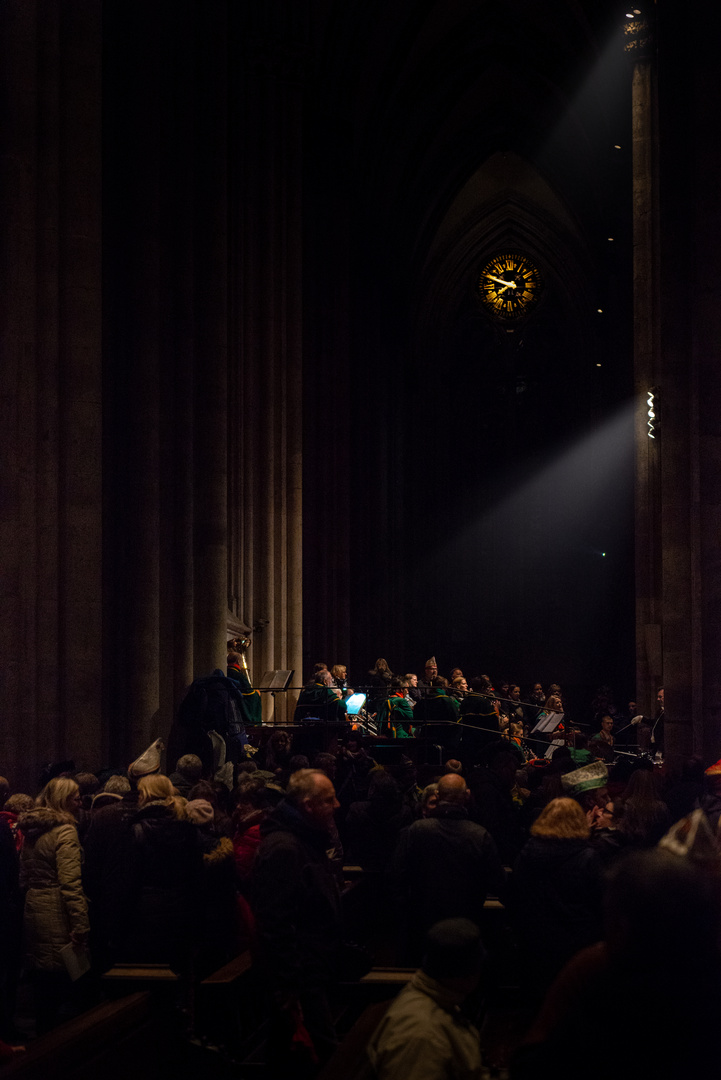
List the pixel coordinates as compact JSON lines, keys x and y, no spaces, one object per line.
{"x":424,"y":1034}
{"x":148,"y":762}
{"x":430,"y":677}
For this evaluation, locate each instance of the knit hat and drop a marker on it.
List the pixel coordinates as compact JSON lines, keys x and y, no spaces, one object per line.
{"x":148,"y":762}
{"x":586,"y":779}
{"x":199,"y":811}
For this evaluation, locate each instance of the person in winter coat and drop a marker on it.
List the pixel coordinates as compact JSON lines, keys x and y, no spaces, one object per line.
{"x":444,"y":867}
{"x":296,"y":904}
{"x":217,"y":938}
{"x":424,"y":1035}
{"x":14,"y":807}
{"x":372,"y":826}
{"x":10,"y":923}
{"x":56,"y":910}
{"x":556,"y":891}
{"x":167,"y":868}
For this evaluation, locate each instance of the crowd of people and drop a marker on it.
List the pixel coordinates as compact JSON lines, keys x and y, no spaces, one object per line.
{"x":401,"y":705}
{"x":598,"y":863}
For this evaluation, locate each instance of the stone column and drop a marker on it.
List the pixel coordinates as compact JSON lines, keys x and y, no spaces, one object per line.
{"x":50,"y":534}
{"x":210,"y":551}
{"x":646,"y":306}
{"x":266,"y":472}
{"x":80,"y":336}
{"x":705,"y":138}
{"x":134,"y":343}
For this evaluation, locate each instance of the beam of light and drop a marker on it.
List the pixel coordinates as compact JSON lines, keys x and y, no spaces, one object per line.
{"x":536,"y":572}
{"x":593,"y":121}
{"x":563,"y":505}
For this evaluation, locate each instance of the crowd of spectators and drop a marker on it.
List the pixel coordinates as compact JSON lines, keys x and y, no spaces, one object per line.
{"x":189,"y":870}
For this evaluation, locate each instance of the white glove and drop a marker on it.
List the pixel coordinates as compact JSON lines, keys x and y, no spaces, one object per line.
{"x":637,"y":720}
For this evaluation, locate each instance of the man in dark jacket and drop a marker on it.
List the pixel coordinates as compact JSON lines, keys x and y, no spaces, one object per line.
{"x":445,"y":866}
{"x":437,"y":715}
{"x":296,"y":904}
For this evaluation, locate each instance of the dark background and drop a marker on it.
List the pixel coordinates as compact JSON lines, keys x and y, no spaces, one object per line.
{"x":473,"y":477}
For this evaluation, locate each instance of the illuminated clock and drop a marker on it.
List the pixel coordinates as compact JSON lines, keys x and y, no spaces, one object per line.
{"x":510,"y":286}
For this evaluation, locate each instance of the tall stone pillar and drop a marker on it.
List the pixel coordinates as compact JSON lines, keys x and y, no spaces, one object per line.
{"x":210,"y":551}
{"x":133,"y":204}
{"x":266,"y":468}
{"x":705,"y":161}
{"x":676,"y":267}
{"x":51,"y":526}
{"x":166,"y":320}
{"x":646,"y":306}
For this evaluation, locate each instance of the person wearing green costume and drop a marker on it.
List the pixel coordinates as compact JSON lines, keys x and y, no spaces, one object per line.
{"x":395,"y":714}
{"x":251,"y":705}
{"x":318,"y":700}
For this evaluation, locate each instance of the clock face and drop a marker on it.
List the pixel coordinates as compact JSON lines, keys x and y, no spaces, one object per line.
{"x":509,"y":286}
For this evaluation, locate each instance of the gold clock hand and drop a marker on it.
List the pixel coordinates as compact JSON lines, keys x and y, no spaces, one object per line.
{"x":500,"y":281}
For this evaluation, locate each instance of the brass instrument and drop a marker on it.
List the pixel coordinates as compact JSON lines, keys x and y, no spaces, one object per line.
{"x":241,"y":645}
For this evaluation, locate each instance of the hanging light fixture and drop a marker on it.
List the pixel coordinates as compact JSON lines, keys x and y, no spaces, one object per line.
{"x":652,"y":407}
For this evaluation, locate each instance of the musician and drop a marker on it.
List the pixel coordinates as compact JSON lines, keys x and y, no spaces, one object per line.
{"x":650,"y":732}
{"x":430,"y":678}
{"x":458,"y":689}
{"x":512,"y":706}
{"x":601,"y":744}
{"x":318,"y":700}
{"x":395,"y":715}
{"x":251,"y":705}
{"x":478,"y":710}
{"x":412,"y":691}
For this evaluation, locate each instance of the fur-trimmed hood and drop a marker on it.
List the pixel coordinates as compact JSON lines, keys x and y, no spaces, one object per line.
{"x":34,"y":823}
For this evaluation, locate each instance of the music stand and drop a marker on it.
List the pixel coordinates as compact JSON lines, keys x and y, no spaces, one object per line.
{"x":548,"y":723}
{"x":276,"y":681}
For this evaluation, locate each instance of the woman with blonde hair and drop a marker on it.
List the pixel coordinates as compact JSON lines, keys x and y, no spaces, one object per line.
{"x":340,"y":678}
{"x":159,"y":789}
{"x":556,"y":891}
{"x":167,"y":867}
{"x":61,"y":794}
{"x":155,"y":787}
{"x":56,"y":910}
